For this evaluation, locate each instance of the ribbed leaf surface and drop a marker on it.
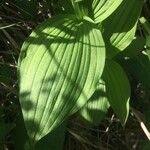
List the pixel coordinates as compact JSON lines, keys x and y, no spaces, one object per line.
{"x":120,"y":27}
{"x":103,"y":8}
{"x":114,"y":88}
{"x":117,"y":89}
{"x":60,"y":65}
{"x":95,"y":109}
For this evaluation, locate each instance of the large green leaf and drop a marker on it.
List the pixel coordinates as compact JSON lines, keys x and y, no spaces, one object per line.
{"x":120,"y":27}
{"x":95,"y":109}
{"x":59,"y":68}
{"x":103,"y":8}
{"x":117,"y":89}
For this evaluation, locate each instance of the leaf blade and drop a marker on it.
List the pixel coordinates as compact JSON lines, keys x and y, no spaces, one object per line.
{"x":54,"y":78}
{"x":120,"y":27}
{"x":102,"y":9}
{"x":96,"y":108}
{"x":118,"y":89}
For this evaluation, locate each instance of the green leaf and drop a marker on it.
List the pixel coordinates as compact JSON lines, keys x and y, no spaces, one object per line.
{"x":119,"y":28}
{"x":132,"y":50}
{"x":139,"y":68}
{"x":135,"y":62}
{"x":114,"y":88}
{"x":60,"y":65}
{"x":103,"y":8}
{"x":117,"y":89}
{"x":53,"y":140}
{"x":96,"y":108}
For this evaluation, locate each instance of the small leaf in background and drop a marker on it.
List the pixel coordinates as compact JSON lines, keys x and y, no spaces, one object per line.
{"x":119,"y":28}
{"x":60,"y":65}
{"x":96,"y":108}
{"x":117,"y":89}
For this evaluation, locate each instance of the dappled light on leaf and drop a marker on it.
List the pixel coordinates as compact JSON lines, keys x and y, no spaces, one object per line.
{"x":96,"y":108}
{"x":60,"y":65}
{"x":103,"y":8}
{"x":119,"y":27}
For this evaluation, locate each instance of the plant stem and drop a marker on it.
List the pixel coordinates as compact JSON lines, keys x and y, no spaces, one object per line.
{"x":77,"y":9}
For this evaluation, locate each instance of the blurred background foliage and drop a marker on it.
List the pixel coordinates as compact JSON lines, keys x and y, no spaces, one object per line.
{"x":17,"y":19}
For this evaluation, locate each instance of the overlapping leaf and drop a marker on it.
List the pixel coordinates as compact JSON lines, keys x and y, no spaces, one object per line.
{"x":114,"y":88}
{"x":103,"y":8}
{"x":95,"y":109}
{"x":60,"y":65}
{"x":136,"y":62}
{"x":117,"y":89}
{"x":97,"y":10}
{"x":120,"y":27}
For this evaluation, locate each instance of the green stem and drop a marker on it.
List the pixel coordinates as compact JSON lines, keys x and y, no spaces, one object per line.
{"x":77,"y":9}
